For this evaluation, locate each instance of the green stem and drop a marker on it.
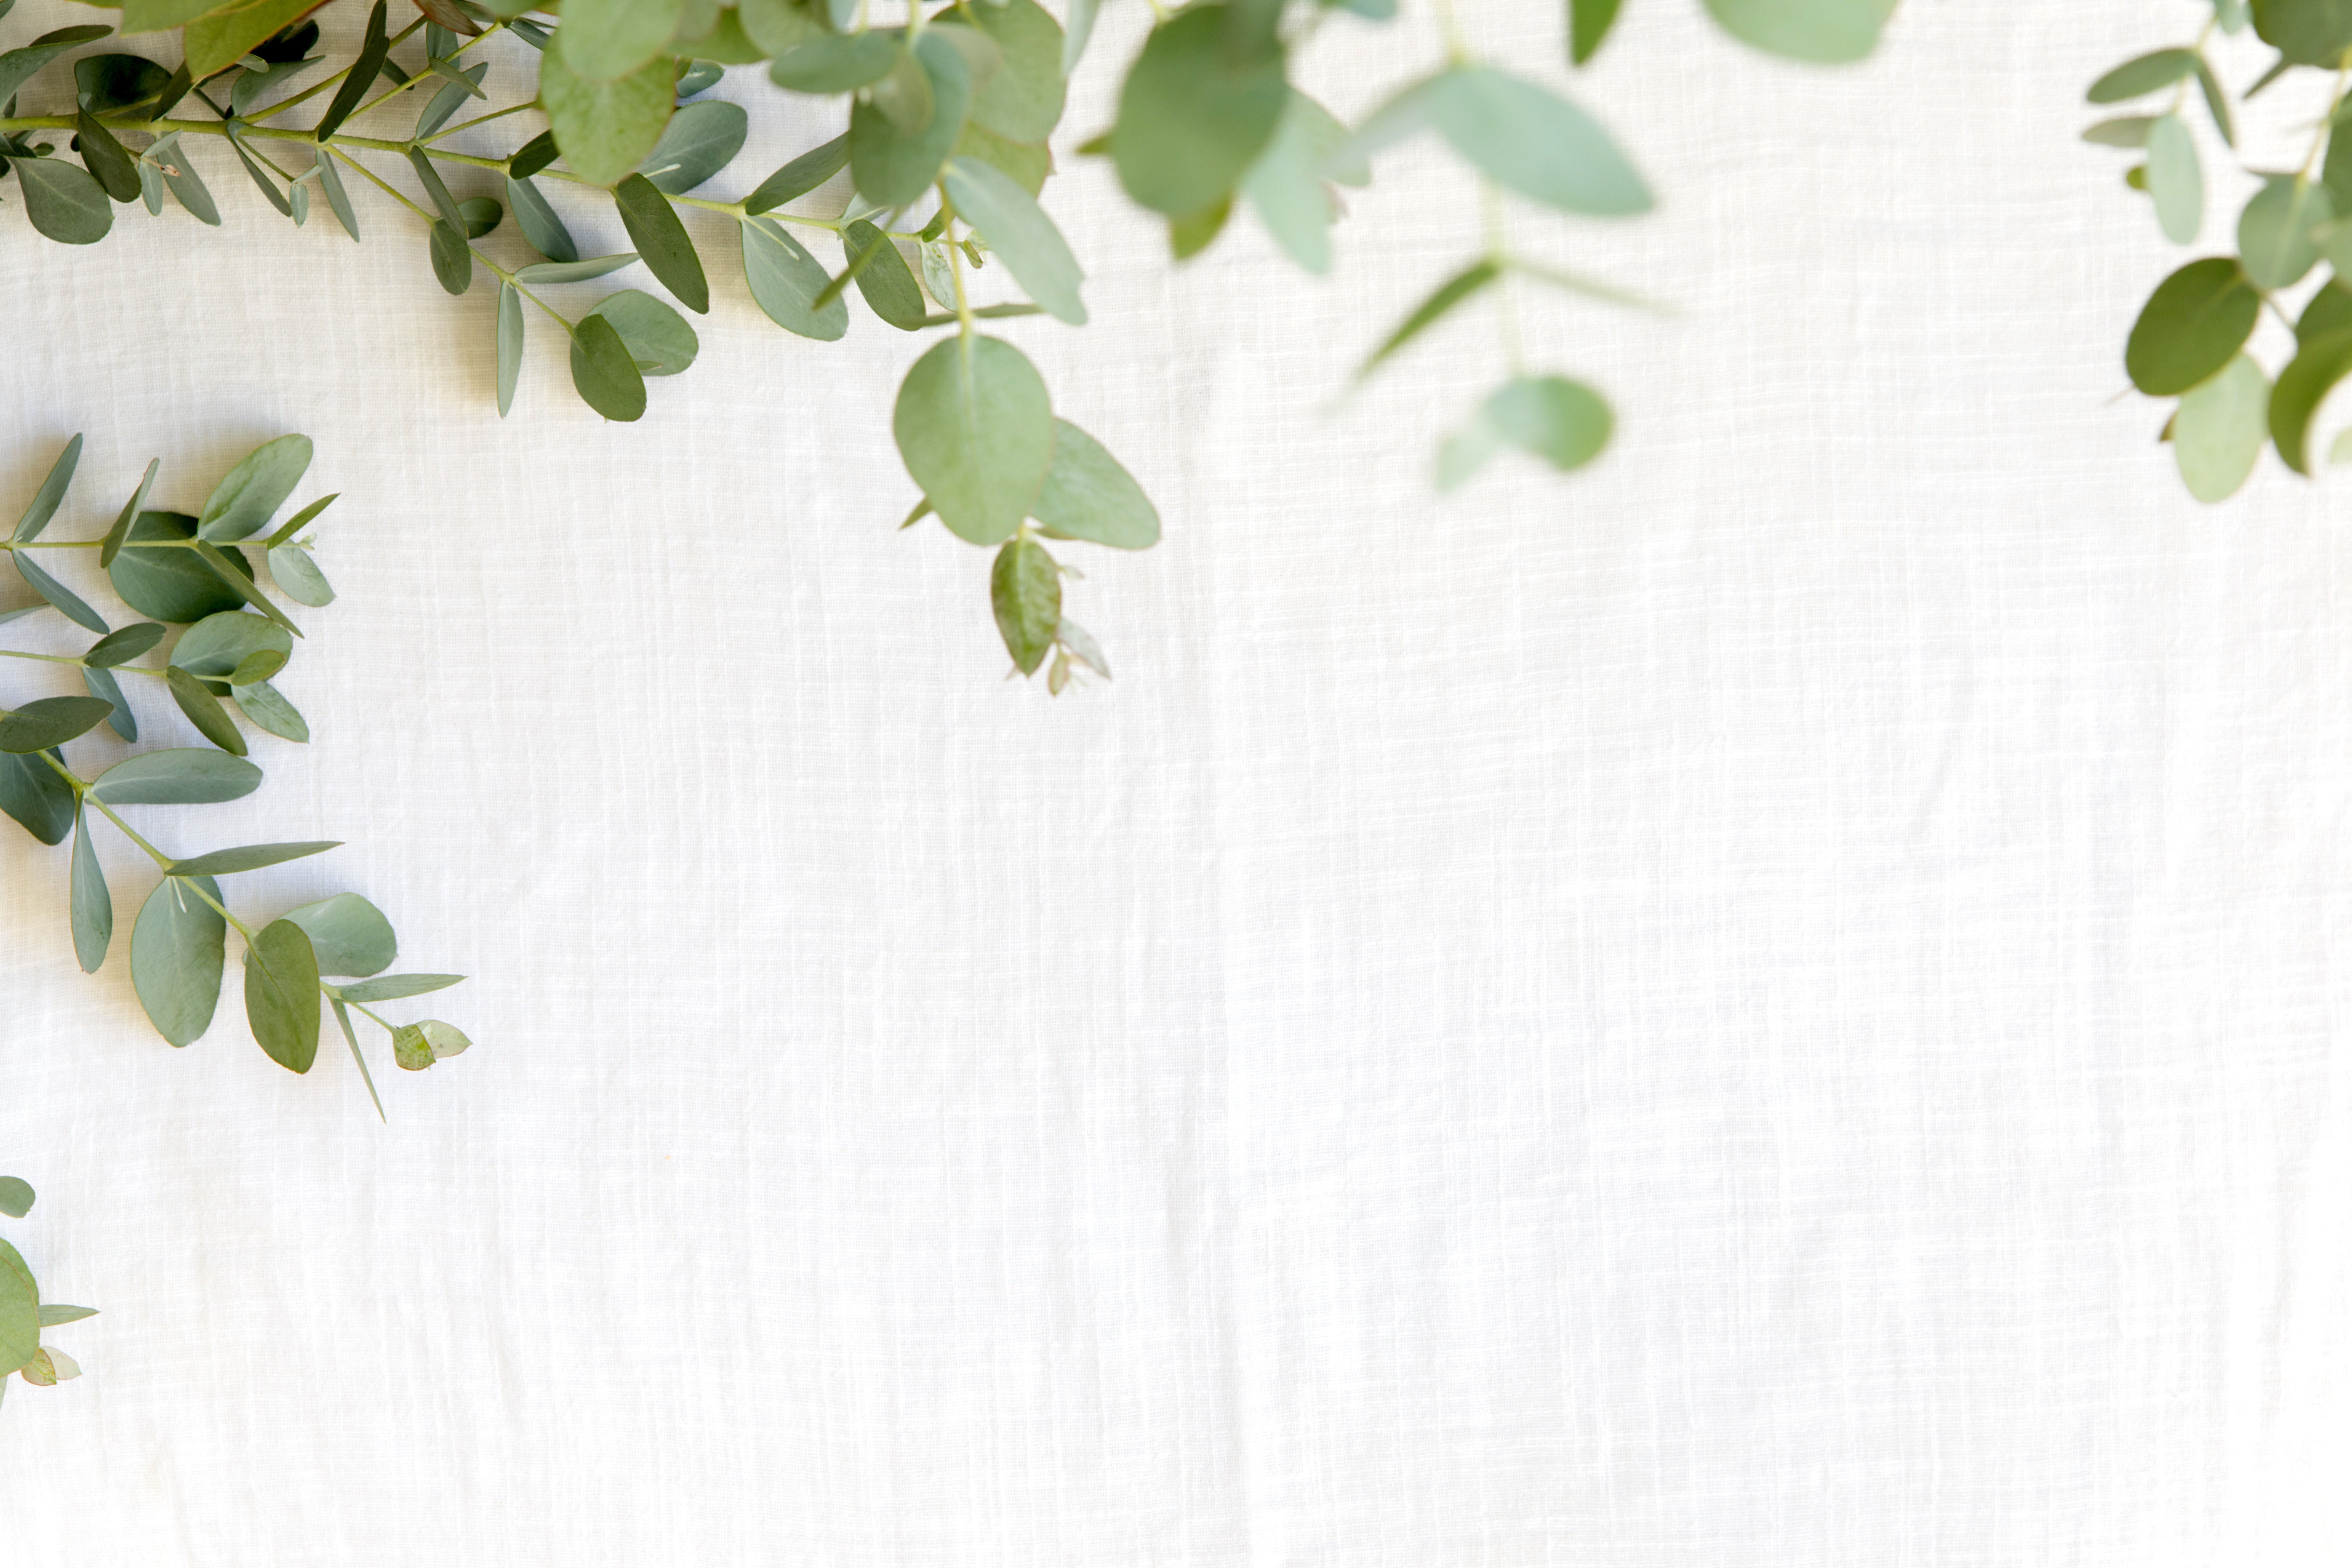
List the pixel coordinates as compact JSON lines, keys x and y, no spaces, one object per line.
{"x":82,"y":664}
{"x":316,"y":88}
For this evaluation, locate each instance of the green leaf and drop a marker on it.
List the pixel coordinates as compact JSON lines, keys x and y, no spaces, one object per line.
{"x":1195,"y":114}
{"x":1028,"y":166}
{"x":2175,"y":180}
{"x":242,"y":503}
{"x":2220,"y":430}
{"x":267,"y":709}
{"x":301,"y":519}
{"x":1076,"y":34}
{"x":2305,"y":32}
{"x":1022,"y":100}
{"x":606,"y":128}
{"x":540,"y":226}
{"x":351,"y":1038}
{"x":1087,"y":495}
{"x":180,"y":775}
{"x":662,"y":241}
{"x":1450,"y":294}
{"x":2138,"y":77}
{"x":347,"y":934}
{"x":112,"y":544}
{"x":114,"y":169}
{"x":778,"y":27}
{"x":228,"y":33}
{"x":2302,"y":387}
{"x":889,"y":289}
{"x":15,"y":1198}
{"x":976,"y":429}
{"x":604,"y":373}
{"x":1017,"y":229}
{"x":374,"y":49}
{"x":2192,"y":326}
{"x":203,"y":711}
{"x":2328,"y":311}
{"x":2276,"y":243}
{"x":48,"y":721}
{"x":56,"y":1315}
{"x":532,"y":156}
{"x":188,"y":187}
{"x":827,"y":64}
{"x":1563,"y":422}
{"x":481,"y":215}
{"x":63,"y":201}
{"x":167,"y":583}
{"x":281,"y":995}
{"x":1823,"y":32}
{"x":298,"y":577}
{"x":510,"y":330}
{"x":453,"y":258}
{"x":216,"y":644}
{"x":256,"y":667}
{"x":19,"y":67}
{"x":802,"y":175}
{"x":68,"y":603}
{"x":41,"y":801}
{"x":248,"y":857}
{"x":574,"y":272}
{"x":1025,"y":587}
{"x":122,"y":647}
{"x":20,"y":1311}
{"x":893,"y":168}
{"x":904,"y":95}
{"x":1286,"y":185}
{"x":700,"y":140}
{"x":2217,"y":103}
{"x":392,"y":988}
{"x":604,"y":40}
{"x":93,"y":909}
{"x":658,"y":338}
{"x":177,"y":952}
{"x":786,"y":281}
{"x":51,"y":495}
{"x":418,"y":1046}
{"x":106,"y":84}
{"x":1519,"y":135}
{"x":102,"y":685}
{"x":2130,"y":131}
{"x":1587,"y":24}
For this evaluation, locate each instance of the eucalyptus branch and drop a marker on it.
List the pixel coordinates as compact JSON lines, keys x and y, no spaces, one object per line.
{"x":194,"y":572}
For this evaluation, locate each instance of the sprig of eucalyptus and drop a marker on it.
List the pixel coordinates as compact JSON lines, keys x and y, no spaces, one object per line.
{"x":948,"y":116}
{"x":2190,"y":344}
{"x":23,"y":1314}
{"x":194,"y":572}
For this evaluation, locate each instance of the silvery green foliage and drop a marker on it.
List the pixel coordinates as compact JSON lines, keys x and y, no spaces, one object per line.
{"x":201,"y":573}
{"x":2289,"y":254}
{"x":946,"y":120}
{"x":23,"y":1314}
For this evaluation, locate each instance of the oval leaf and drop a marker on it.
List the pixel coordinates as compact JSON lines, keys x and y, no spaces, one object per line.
{"x":177,"y":952}
{"x":1087,"y":495}
{"x":1019,"y":232}
{"x":976,"y":429}
{"x":281,"y":995}
{"x":180,"y":775}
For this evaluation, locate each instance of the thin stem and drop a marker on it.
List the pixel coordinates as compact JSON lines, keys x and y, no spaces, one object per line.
{"x":316,"y":88}
{"x":82,"y":664}
{"x":477,"y":120}
{"x":955,"y":267}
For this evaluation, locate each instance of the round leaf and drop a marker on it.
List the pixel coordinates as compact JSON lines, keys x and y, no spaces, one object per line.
{"x":604,"y":373}
{"x":1195,"y":114}
{"x":177,"y":952}
{"x":2192,"y":326}
{"x":1824,"y":32}
{"x":1087,"y":495}
{"x":1020,"y":233}
{"x":604,"y":40}
{"x":1026,"y":589}
{"x":700,"y":140}
{"x":976,"y":428}
{"x":786,"y":281}
{"x":658,"y":339}
{"x":1022,"y":99}
{"x":893,"y":168}
{"x":216,"y":644}
{"x":2220,"y":429}
{"x":64,"y":201}
{"x":1563,"y":422}
{"x":606,"y":128}
{"x":2277,"y":242}
{"x":281,"y":994}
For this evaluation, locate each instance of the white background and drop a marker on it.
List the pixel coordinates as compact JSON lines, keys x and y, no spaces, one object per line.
{"x":1777,"y":1002}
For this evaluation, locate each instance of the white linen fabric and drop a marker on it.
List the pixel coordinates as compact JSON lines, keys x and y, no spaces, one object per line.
{"x":1779,"y":1002}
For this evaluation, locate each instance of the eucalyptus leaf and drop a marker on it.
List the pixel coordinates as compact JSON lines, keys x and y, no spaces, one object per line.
{"x":58,"y":1314}
{"x":1087,"y":495}
{"x":1194,"y":113}
{"x":20,"y":1311}
{"x":799,"y":177}
{"x":2220,"y":430}
{"x":1022,"y":100}
{"x":394,"y":987}
{"x":203,"y":711}
{"x":893,"y":168}
{"x":540,"y":226}
{"x":332,"y":182}
{"x":67,"y":603}
{"x":167,"y":583}
{"x":827,"y":64}
{"x":2305,"y":32}
{"x":658,"y":339}
{"x":786,"y":281}
{"x":700,"y":140}
{"x":510,"y":332}
{"x":662,"y":241}
{"x":1020,"y":235}
{"x":606,"y":128}
{"x":114,"y":169}
{"x":1589,"y":22}
{"x":2302,"y":387}
{"x":976,"y":429}
{"x":606,"y":39}
{"x":112,"y":545}
{"x":604,"y":373}
{"x":32,"y":792}
{"x":16,"y":1196}
{"x":177,"y":952}
{"x":189,"y":189}
{"x":122,"y":647}
{"x":1287,"y":188}
{"x":244,"y":502}
{"x":2192,"y":325}
{"x":92,"y":906}
{"x":216,"y":644}
{"x":246,"y":858}
{"x":374,"y":49}
{"x":453,"y":258}
{"x":347,"y":934}
{"x":281,"y":994}
{"x":48,"y":721}
{"x":574,"y":272}
{"x":1026,"y":589}
{"x":64,"y":202}
{"x":415,"y":1046}
{"x":51,"y":495}
{"x":267,"y":709}
{"x":2175,"y":180}
{"x":184,"y":775}
{"x":102,"y":685}
{"x":1523,"y":137}
{"x":2277,"y":241}
{"x":298,"y":577}
{"x":2138,"y":77}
